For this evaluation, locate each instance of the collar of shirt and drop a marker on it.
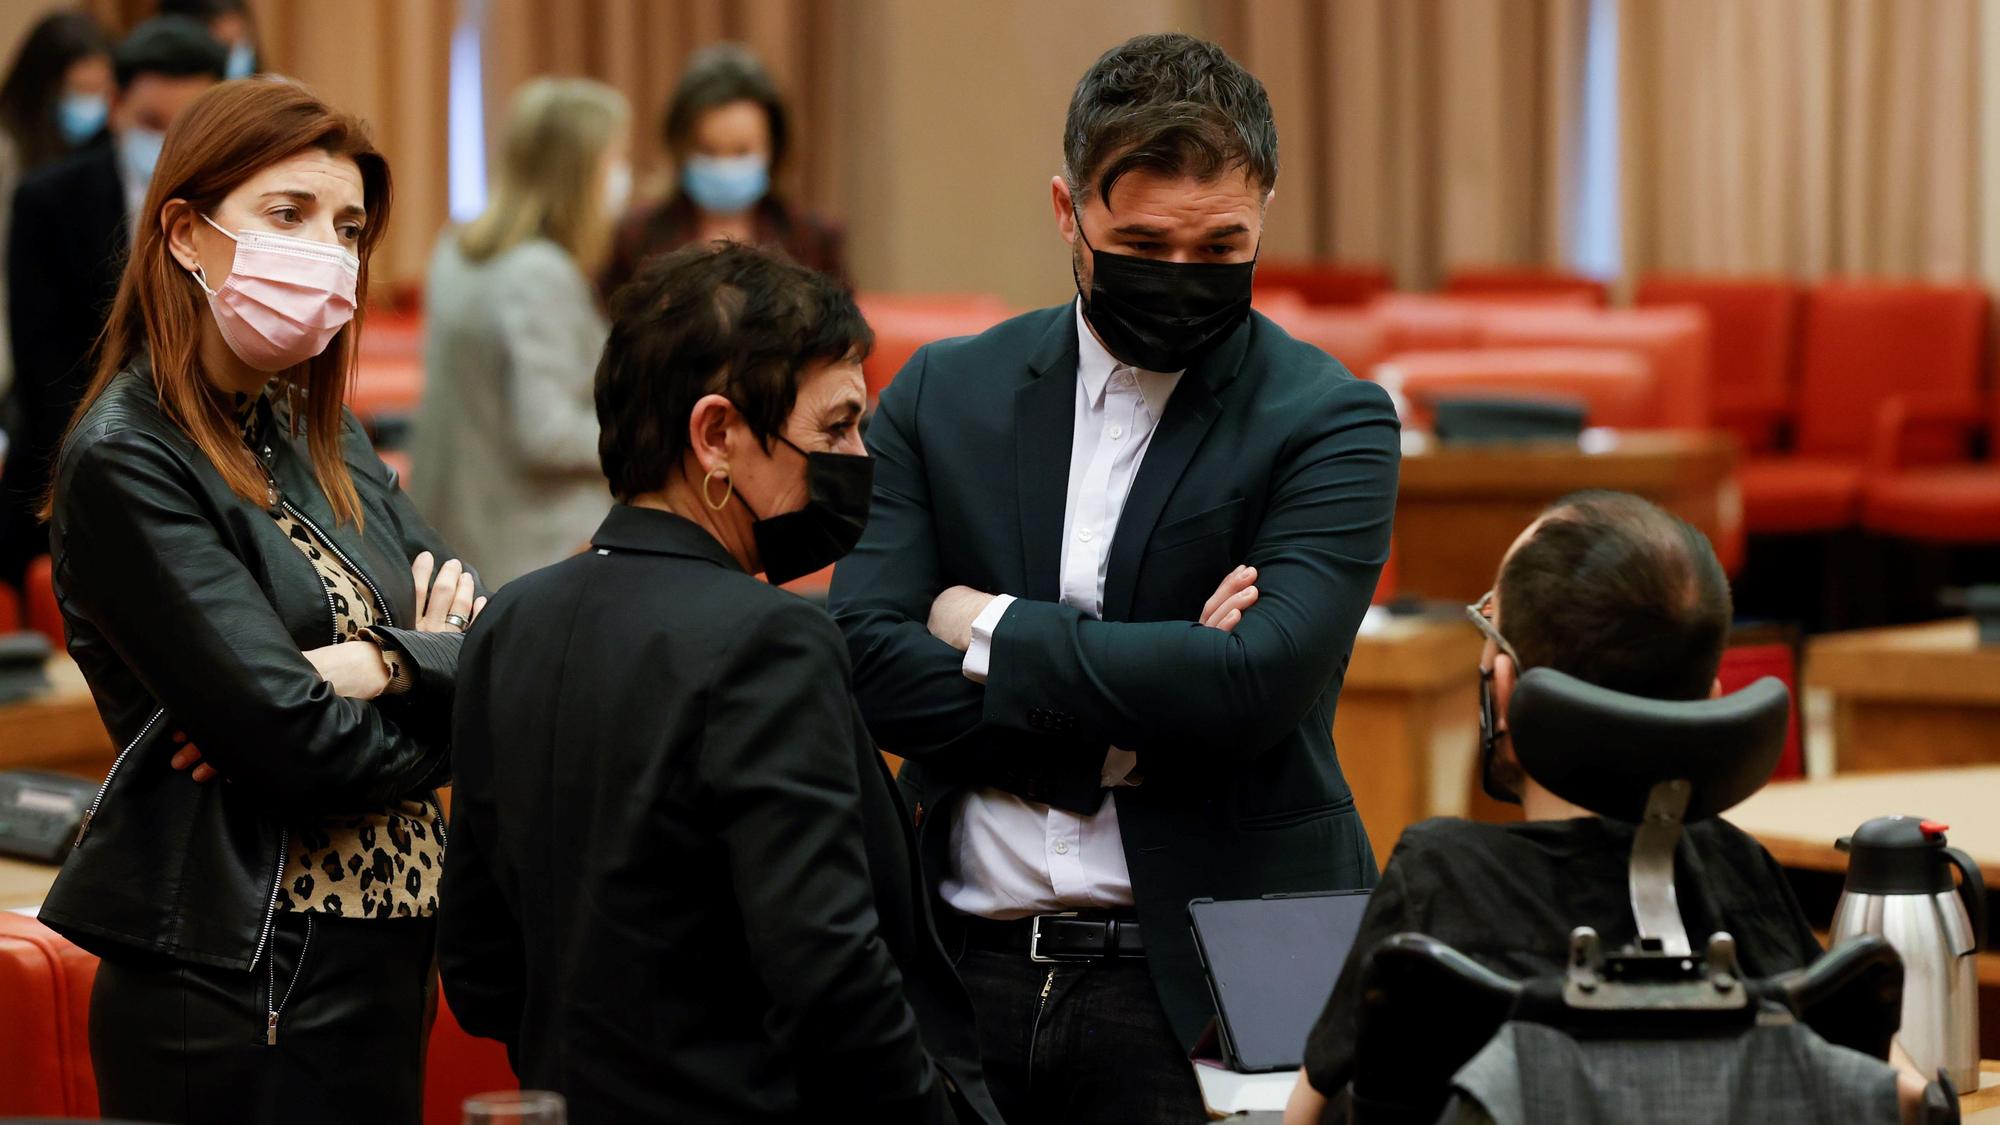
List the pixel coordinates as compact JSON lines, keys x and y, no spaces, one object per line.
{"x":1095,"y":366}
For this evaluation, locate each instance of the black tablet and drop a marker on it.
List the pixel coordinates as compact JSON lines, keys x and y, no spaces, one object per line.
{"x":1271,"y":963}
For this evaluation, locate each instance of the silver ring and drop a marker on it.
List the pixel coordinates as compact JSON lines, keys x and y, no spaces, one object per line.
{"x":456,"y":622}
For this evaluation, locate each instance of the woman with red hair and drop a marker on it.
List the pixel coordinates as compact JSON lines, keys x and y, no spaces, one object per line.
{"x":261,"y":618}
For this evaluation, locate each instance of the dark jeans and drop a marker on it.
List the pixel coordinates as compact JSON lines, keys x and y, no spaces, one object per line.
{"x":176,"y":1042}
{"x":1097,"y":1051}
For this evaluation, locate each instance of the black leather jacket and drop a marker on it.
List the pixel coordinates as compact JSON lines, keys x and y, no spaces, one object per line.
{"x":188,"y":610}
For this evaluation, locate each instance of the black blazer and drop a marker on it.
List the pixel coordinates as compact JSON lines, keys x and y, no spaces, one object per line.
{"x":681,"y":885}
{"x":65,"y":252}
{"x":1269,"y":453}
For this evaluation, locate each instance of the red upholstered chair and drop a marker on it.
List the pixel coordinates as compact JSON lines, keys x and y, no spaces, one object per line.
{"x":1517,"y":281}
{"x":1944,"y":504}
{"x":43,"y":614}
{"x":44,"y":1023}
{"x":1743,"y":665}
{"x":1615,"y":385}
{"x":460,"y":1066}
{"x":1324,"y":283}
{"x":1887,"y":372}
{"x":905,"y":322}
{"x":1356,"y":338}
{"x":1675,"y":341}
{"x":1753,"y":347}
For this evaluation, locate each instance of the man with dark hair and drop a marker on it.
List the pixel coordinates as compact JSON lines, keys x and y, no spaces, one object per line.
{"x":72,"y":228}
{"x":1096,"y":732}
{"x":1616,"y":592}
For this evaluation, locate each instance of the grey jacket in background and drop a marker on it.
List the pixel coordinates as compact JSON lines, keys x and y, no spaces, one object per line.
{"x":504,"y":456}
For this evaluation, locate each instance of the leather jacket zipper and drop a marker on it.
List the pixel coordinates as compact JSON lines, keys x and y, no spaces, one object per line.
{"x":381,"y":605}
{"x":276,"y":1005}
{"x":271,"y":907}
{"x":89,"y":814}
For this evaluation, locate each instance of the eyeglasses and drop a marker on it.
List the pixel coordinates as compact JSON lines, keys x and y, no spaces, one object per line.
{"x":1481,"y":615}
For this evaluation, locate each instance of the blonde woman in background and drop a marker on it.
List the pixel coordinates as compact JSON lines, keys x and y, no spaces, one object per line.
{"x":504,"y":458}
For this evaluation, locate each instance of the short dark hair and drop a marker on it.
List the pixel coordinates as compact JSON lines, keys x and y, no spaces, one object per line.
{"x":1171,"y":104}
{"x":176,"y":46}
{"x":716,"y":76}
{"x":1620,"y":593}
{"x":720,"y":319}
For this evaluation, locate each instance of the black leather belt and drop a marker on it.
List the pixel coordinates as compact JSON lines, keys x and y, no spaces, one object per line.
{"x":1071,"y":936}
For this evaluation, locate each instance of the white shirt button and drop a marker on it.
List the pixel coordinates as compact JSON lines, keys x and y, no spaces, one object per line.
{"x":1085,"y":534}
{"x":1062,"y":847}
{"x":1116,"y":432}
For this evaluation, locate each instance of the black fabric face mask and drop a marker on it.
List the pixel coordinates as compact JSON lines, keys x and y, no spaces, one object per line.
{"x":1162,"y":316}
{"x":792,"y":545}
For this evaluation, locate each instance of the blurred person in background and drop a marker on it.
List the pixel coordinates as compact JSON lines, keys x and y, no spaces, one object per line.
{"x":54,"y":100}
{"x":252,"y":600}
{"x":728,"y":134}
{"x":232,"y":24}
{"x":504,"y":457}
{"x":72,"y":223}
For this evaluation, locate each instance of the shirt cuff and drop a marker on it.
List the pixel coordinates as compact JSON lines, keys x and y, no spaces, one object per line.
{"x":402,"y":677}
{"x":979,"y":654}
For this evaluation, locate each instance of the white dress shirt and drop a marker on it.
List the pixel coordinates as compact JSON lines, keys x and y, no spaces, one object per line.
{"x":1012,"y":857}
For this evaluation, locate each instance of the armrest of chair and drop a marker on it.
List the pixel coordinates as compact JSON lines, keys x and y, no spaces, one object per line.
{"x":1899,"y":414}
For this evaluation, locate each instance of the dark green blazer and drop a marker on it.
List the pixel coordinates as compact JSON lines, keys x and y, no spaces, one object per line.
{"x":1269,"y":453}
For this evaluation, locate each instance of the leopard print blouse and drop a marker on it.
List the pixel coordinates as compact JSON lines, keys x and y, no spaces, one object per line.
{"x":381,"y":864}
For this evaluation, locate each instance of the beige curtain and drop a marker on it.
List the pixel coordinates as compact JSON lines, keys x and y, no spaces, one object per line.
{"x":1804,"y":137}
{"x":1421,"y":134}
{"x":389,"y":61}
{"x":639,"y":46}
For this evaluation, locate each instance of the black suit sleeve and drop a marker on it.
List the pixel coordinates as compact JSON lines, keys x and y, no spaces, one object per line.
{"x":143,"y":562}
{"x":1318,"y":554}
{"x":1329,"y":1057}
{"x":911,"y":685}
{"x":778,"y":766}
{"x":481,"y":960}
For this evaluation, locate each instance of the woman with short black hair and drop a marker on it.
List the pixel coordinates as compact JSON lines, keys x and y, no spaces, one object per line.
{"x":729,"y":133}
{"x":682,"y":886}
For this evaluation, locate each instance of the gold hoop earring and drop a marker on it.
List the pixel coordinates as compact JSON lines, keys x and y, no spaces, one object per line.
{"x":728,"y":488}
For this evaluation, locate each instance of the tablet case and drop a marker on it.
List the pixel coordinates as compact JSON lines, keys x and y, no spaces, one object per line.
{"x":1270,"y":964}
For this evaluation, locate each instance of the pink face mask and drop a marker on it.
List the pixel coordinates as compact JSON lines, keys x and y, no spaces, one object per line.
{"x":284,"y":297}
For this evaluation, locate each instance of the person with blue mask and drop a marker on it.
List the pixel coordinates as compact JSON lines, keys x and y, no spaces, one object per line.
{"x":53,"y":99}
{"x":68,"y":237}
{"x":232,"y":24}
{"x":727,"y":131}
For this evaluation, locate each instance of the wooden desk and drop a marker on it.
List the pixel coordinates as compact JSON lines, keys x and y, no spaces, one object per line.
{"x":1798,"y":821}
{"x":56,"y":731}
{"x":23,"y":883}
{"x":1910,"y":697}
{"x":1407,"y":727}
{"x":1459,"y":507}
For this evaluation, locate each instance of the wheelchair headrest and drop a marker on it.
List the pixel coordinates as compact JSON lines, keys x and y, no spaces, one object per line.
{"x":1604,"y":750}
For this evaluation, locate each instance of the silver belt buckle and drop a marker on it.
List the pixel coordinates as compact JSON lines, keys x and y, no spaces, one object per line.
{"x":1035,"y":936}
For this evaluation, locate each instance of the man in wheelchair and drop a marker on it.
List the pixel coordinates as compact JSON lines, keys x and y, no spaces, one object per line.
{"x":1619,"y":594}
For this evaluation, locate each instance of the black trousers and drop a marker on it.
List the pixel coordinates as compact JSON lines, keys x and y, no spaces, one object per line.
{"x":176,"y":1042}
{"x":1097,"y":1051}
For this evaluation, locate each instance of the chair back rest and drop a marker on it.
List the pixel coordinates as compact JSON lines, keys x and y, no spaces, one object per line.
{"x":1753,"y":327}
{"x":1616,"y":387}
{"x":1863,"y":343}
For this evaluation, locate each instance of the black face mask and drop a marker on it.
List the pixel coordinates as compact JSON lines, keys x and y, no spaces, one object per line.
{"x":795,"y":544}
{"x":1501,"y":781}
{"x":1162,"y":316}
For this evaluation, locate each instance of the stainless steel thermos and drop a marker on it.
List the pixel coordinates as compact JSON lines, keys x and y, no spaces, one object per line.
{"x":1899,"y":886}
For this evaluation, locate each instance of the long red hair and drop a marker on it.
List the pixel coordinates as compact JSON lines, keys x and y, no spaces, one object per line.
{"x":228,"y":135}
